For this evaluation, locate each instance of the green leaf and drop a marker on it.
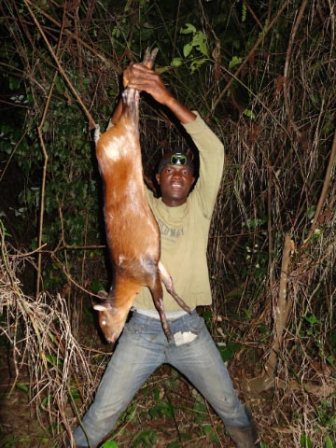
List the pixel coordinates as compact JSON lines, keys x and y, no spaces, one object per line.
{"x":176,"y":62}
{"x":74,"y":392}
{"x":210,"y":433}
{"x":312,"y":319}
{"x":228,"y":350}
{"x":244,"y":12}
{"x":236,"y":60}
{"x":174,"y":445}
{"x":207,"y":316}
{"x":331,"y":359}
{"x":311,"y":212}
{"x":54,"y":360}
{"x":255,"y":223}
{"x":249,"y":114}
{"x":110,"y":444}
{"x":23,"y":387}
{"x":200,"y":43}
{"x":196,"y":63}
{"x":188,"y":29}
{"x":129,"y":414}
{"x":328,"y":443}
{"x":200,"y":411}
{"x":187,"y":49}
{"x":305,"y":441}
{"x":162,"y":409}
{"x":46,"y":400}
{"x":146,"y":438}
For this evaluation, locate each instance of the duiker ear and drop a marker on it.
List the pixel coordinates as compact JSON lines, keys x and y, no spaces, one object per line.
{"x":100,"y":307}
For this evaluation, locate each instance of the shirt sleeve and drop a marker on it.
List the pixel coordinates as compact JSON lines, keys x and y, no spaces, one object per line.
{"x":211,"y":154}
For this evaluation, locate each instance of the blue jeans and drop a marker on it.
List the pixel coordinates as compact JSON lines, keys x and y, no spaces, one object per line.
{"x":141,"y":349}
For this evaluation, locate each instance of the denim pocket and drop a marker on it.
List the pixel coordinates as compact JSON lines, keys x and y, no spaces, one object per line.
{"x":190,"y":324}
{"x":132,"y":327}
{"x":145,"y":330}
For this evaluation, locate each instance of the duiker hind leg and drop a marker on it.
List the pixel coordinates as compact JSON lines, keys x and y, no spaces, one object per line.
{"x":169,"y":285}
{"x":157,"y":294}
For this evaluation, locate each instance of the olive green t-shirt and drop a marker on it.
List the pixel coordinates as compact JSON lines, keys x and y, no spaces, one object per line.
{"x":184,"y":229}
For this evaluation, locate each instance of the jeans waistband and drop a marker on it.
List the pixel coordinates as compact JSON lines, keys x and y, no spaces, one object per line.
{"x":170,"y":315}
{"x":144,"y":318}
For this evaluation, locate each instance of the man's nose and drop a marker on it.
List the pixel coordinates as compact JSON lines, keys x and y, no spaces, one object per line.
{"x":177,"y":174}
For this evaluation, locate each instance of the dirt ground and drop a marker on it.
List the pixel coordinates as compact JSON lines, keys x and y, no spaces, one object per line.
{"x":166,"y":412}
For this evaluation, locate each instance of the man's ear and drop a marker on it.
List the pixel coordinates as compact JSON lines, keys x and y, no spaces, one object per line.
{"x":158,"y":178}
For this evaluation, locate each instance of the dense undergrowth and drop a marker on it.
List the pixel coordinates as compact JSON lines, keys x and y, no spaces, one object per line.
{"x":263,"y":76}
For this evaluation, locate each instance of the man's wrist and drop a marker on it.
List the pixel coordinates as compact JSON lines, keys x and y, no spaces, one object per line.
{"x":170,"y":102}
{"x":182,"y":113}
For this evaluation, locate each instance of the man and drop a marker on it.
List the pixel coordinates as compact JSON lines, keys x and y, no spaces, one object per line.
{"x":184,"y":220}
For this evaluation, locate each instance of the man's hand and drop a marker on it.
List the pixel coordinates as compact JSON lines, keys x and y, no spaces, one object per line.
{"x":140,"y":77}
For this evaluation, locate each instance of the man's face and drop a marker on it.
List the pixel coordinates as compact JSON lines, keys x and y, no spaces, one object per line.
{"x":175,"y":183}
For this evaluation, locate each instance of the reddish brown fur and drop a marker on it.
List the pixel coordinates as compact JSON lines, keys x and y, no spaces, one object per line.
{"x":133,"y":234}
